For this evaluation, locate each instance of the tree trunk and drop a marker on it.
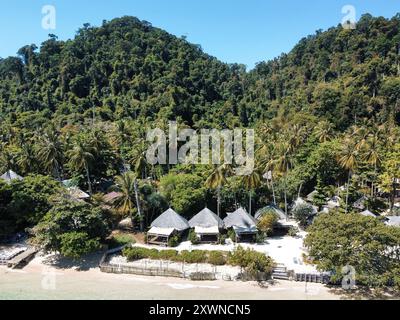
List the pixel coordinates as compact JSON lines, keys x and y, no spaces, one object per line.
{"x":301,"y":186}
{"x":219,"y":201}
{"x":273,"y":188}
{"x":138,"y":204}
{"x":392,"y":196}
{"x":286,"y":206}
{"x":250,"y":202}
{"x":373,"y":182}
{"x":88,"y":179}
{"x":347,"y":193}
{"x":285,"y":193}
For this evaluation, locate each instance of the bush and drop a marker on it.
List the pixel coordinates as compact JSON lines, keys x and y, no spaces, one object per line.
{"x":260,"y":237}
{"x":193,"y":237}
{"x":169,"y":255}
{"x":120,"y":240}
{"x":267,"y":222}
{"x":76,"y":244}
{"x":196,"y":256}
{"x":133,"y":254}
{"x":250,"y":260}
{"x":216,"y":258}
{"x":173,"y":241}
{"x":302,"y":213}
{"x":232,"y":235}
{"x":293,"y":231}
{"x":222,"y":239}
{"x":154,"y":254}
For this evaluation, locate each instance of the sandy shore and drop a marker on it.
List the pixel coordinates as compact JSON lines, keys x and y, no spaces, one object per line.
{"x":50,"y":278}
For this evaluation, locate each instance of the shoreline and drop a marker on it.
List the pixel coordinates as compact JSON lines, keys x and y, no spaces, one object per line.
{"x":41,"y":279}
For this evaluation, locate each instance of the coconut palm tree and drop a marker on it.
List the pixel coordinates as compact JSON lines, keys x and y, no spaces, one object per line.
{"x":27,"y":158}
{"x":251,"y":182}
{"x":373,"y":156}
{"x":267,"y":154}
{"x":126,"y":184}
{"x":324,"y":131}
{"x":217,"y":179}
{"x":81,"y":157}
{"x":348,"y":160}
{"x":50,"y":153}
{"x":282,"y":163}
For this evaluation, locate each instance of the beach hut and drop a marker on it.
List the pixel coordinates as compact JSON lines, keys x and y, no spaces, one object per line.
{"x":299,"y":201}
{"x":244,"y":225}
{"x":10,"y":176}
{"x":310,"y":196}
{"x":360,"y":204}
{"x":393,"y":221}
{"x":165,"y":226}
{"x":270,"y":208}
{"x":207,"y":226}
{"x":77,"y":194}
{"x":111,"y":197}
{"x":368,"y":213}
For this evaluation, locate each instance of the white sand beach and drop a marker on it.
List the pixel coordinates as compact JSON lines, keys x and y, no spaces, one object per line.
{"x":50,"y":278}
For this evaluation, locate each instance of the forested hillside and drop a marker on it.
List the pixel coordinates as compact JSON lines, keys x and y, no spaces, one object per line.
{"x":326,"y":115}
{"x":343,"y":76}
{"x":128,"y":69}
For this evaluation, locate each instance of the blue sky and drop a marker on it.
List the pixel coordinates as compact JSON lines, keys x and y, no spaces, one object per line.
{"x":242,"y":31}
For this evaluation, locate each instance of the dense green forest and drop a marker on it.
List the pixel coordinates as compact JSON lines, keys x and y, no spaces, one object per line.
{"x":326,"y":114}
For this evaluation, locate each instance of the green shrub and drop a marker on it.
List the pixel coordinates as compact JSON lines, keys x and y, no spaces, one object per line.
{"x":154,"y":254}
{"x":232,"y":235}
{"x":173,"y":241}
{"x":250,"y":260}
{"x":216,"y":258}
{"x":260,"y":237}
{"x":267,"y":222}
{"x":76,"y":244}
{"x":293,"y":231}
{"x":169,"y":255}
{"x":133,"y":254}
{"x":196,"y":256}
{"x":120,"y":240}
{"x":222,"y":238}
{"x":302,"y":213}
{"x":193,"y":237}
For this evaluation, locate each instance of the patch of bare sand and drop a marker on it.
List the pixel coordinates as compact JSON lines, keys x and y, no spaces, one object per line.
{"x":86,"y":281}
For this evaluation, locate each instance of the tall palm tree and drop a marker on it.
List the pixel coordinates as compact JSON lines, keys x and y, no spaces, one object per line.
{"x":81,"y":157}
{"x":267,"y":154}
{"x":27,"y":158}
{"x":324,"y":131}
{"x":348,"y":160}
{"x":372,"y":155}
{"x":251,"y":182}
{"x":50,"y":153}
{"x":282,"y":163}
{"x":216,"y":180}
{"x":127,"y":186}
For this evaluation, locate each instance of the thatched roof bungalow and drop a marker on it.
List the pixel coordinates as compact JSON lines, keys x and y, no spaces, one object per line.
{"x":393,"y":221}
{"x":207,"y":225}
{"x":368,"y":213}
{"x":77,"y":194}
{"x":270,"y":208}
{"x":244,"y":225}
{"x":10,"y":176}
{"x":165,"y":226}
